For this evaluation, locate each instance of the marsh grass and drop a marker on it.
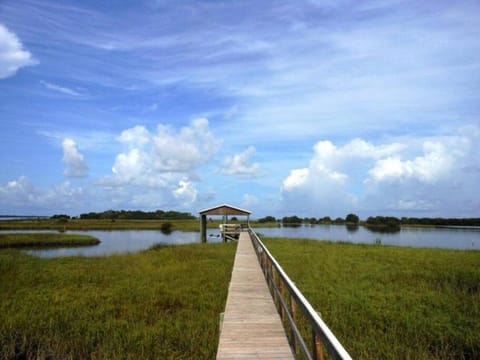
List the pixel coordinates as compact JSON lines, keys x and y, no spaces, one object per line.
{"x":162,"y":303}
{"x":105,"y":224}
{"x":117,"y":224}
{"x":21,"y":240}
{"x":385,"y":302}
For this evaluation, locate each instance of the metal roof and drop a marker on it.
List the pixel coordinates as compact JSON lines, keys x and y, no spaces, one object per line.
{"x":224,"y":209}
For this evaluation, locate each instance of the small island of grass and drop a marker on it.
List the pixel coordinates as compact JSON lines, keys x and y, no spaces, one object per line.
{"x":21,"y":240}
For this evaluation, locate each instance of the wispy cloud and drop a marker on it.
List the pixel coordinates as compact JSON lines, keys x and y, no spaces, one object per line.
{"x":151,"y":108}
{"x":60,"y":89}
{"x":305,"y":63}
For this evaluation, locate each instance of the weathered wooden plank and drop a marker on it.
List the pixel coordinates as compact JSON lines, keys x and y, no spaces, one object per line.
{"x":251,"y":326}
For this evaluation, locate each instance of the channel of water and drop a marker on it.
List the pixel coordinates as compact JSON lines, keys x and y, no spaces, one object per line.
{"x":125,"y":241}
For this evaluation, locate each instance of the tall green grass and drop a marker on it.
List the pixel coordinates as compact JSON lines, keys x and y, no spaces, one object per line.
{"x":87,"y":224}
{"x":389,"y":302}
{"x":122,"y":224}
{"x":12,"y":240}
{"x":162,"y":303}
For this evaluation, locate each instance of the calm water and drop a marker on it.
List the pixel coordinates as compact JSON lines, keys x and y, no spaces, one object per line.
{"x":459,"y":238}
{"x":124,"y":241}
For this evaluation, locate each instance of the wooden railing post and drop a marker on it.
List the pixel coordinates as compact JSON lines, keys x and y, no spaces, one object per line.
{"x":317,"y":346}
{"x":272,"y":279}
{"x":282,"y":294}
{"x":275,"y":284}
{"x":293,"y":309}
{"x":265,"y":264}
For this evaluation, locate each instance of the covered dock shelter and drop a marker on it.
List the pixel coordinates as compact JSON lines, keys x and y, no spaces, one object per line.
{"x":224,"y":210}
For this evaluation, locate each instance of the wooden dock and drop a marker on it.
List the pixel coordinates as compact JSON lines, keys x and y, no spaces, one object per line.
{"x":251,"y":325}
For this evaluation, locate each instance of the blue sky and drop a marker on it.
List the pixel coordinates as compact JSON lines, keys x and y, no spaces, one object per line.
{"x":312,"y":108}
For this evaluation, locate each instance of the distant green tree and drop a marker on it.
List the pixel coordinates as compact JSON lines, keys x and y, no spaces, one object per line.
{"x":267,"y":219}
{"x":60,"y":216}
{"x":383,"y":223}
{"x":352,"y":219}
{"x":291,"y":220}
{"x":325,"y":220}
{"x":338,"y":220}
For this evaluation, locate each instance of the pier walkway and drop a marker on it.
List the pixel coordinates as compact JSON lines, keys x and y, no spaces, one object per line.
{"x":251,"y":327}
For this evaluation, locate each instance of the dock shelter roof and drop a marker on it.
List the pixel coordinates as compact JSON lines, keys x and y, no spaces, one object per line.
{"x":224,"y":209}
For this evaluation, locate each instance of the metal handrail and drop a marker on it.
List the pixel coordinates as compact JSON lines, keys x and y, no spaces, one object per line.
{"x":322,"y":335}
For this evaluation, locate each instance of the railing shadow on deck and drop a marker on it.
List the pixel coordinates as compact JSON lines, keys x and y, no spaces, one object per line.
{"x":309,"y":336}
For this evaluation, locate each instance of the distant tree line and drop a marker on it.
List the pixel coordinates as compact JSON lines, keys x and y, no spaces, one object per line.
{"x":440,"y":221}
{"x":390,"y":221}
{"x":374,"y":221}
{"x":138,"y":215}
{"x":267,"y":219}
{"x":393,"y":221}
{"x":291,"y":220}
{"x":351,"y":218}
{"x":60,"y":216}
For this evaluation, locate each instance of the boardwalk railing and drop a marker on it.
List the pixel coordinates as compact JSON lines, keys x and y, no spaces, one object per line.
{"x":297,"y":314}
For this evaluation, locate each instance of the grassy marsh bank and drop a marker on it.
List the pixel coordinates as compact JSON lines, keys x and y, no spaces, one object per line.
{"x":121,"y":224}
{"x":96,"y":224}
{"x":161,"y":303}
{"x":390,"y":302}
{"x":12,"y":240}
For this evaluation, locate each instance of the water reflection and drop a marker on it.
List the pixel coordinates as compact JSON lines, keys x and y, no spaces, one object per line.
{"x":408,"y":236}
{"x":384,"y":229}
{"x":351,"y":228}
{"x":125,"y":241}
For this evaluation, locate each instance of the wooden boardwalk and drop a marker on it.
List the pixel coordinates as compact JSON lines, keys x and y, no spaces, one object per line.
{"x":251,"y":325}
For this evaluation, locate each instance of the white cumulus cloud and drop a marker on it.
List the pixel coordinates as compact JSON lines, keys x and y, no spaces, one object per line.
{"x":436,"y":176}
{"x":239,"y":164}
{"x":130,"y":166}
{"x":12,"y":54}
{"x":75,"y":164}
{"x":162,"y":158}
{"x":136,"y":136}
{"x":185,"y":150}
{"x":158,"y":168}
{"x":20,"y":196}
{"x":186,"y":193}
{"x":436,"y":162}
{"x":296,"y":179}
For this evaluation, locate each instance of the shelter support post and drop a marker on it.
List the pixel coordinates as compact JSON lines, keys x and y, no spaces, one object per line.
{"x":203,"y":229}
